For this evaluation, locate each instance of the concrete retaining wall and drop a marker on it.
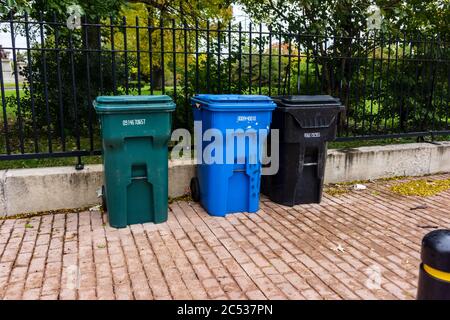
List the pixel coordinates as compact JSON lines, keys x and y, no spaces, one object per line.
{"x":365,"y":163}
{"x":44,"y":189}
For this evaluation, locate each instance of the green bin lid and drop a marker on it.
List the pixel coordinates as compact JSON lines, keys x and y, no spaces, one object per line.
{"x":133,"y":104}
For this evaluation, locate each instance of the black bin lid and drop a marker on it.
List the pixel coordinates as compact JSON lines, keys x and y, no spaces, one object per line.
{"x":310,"y":112}
{"x":307,"y":101}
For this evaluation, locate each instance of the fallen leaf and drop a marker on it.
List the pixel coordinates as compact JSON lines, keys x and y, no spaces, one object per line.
{"x":423,"y":206}
{"x":338,"y":248}
{"x":428,"y":227}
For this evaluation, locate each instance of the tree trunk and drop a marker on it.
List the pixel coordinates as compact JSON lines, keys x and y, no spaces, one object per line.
{"x":157,"y":77}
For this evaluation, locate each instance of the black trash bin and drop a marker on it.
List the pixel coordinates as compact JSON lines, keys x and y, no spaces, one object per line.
{"x":305,"y":124}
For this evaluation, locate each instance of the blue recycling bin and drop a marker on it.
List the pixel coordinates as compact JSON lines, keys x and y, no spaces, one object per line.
{"x":229,"y":167}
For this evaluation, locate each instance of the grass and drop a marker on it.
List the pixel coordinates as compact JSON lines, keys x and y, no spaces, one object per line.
{"x":145,"y":90}
{"x":47,"y":162}
{"x":50,"y":162}
{"x":10,"y":111}
{"x":9,"y":85}
{"x":12,"y":93}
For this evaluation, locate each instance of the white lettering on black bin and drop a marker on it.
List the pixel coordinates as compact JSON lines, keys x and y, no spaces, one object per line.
{"x":312,"y":135}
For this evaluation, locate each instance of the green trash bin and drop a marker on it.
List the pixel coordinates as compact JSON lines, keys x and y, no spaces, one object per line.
{"x":135,"y":131}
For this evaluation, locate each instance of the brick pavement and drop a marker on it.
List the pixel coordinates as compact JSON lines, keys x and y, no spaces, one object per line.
{"x":360,"y":245}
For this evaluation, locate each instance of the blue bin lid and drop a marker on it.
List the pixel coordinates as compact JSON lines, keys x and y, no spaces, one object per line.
{"x":132,"y":104}
{"x":233,"y":102}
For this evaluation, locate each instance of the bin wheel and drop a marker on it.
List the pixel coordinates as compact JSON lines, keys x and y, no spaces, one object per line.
{"x":195,"y":189}
{"x":104,"y":199}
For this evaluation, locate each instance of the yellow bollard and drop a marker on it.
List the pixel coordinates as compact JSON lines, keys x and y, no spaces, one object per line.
{"x":434,"y":272}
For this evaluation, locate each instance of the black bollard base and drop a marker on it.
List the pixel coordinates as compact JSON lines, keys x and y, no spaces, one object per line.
{"x":431,"y":288}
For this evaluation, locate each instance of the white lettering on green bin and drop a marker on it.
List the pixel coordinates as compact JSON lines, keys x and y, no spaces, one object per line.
{"x":133,"y":122}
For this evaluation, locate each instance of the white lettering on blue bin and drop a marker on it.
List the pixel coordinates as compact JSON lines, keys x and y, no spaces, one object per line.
{"x":246,"y":118}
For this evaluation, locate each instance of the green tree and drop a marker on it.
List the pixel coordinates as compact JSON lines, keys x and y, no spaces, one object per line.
{"x":143,"y":15}
{"x":346,"y":19}
{"x":343,"y":53}
{"x":60,"y":84}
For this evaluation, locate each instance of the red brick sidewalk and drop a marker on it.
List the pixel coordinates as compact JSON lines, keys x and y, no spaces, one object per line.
{"x":360,"y":245}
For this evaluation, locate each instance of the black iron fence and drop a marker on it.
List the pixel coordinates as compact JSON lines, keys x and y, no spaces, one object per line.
{"x":393,"y":85}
